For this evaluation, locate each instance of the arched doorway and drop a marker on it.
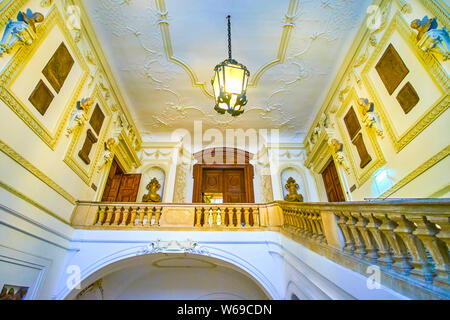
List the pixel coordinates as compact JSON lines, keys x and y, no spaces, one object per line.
{"x":176,"y":276}
{"x":224,"y":175}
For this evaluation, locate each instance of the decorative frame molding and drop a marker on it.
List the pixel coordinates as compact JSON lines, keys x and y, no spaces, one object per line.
{"x":11,"y":8}
{"x":431,"y":65}
{"x":35,"y":171}
{"x":70,"y":157}
{"x":441,"y":155}
{"x":439,"y":9}
{"x":20,"y":60}
{"x":375,"y":164}
{"x":168,"y":48}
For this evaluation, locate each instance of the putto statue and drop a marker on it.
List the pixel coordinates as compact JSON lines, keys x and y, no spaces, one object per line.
{"x":292,"y":187}
{"x":152,"y":195}
{"x":80,"y":115}
{"x":430,"y":38}
{"x":22,"y":31}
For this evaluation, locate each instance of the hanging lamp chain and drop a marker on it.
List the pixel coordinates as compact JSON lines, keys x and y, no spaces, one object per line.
{"x":229,"y":37}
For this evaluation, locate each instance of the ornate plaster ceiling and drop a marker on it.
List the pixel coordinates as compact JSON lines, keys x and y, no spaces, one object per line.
{"x":162,"y":53}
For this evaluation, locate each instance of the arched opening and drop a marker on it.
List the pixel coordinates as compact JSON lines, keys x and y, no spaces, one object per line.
{"x":224,"y":175}
{"x":170,"y":276}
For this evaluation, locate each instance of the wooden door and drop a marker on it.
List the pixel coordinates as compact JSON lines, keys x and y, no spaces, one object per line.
{"x":234,"y":186}
{"x":129,"y":188}
{"x":212,"y":181}
{"x":333,"y":184}
{"x":112,"y":183}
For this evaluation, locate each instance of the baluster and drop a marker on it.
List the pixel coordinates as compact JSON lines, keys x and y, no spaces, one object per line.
{"x":117,"y":214}
{"x":219,"y":217}
{"x":198,"y":213}
{"x":369,"y":243}
{"x":126,"y":211}
{"x":150,"y":211}
{"x":255,"y":213}
{"x":357,"y":238}
{"x":158,"y":215}
{"x":231,"y":217}
{"x":214,"y":216}
{"x":426,"y":232}
{"x":349,"y":245}
{"x":384,"y":252}
{"x":141,"y":213}
{"x":133,"y":216}
{"x":319,"y":227}
{"x":400,"y":259}
{"x":247,"y":217}
{"x":312,"y":220}
{"x":101,"y":215}
{"x":109,"y":214}
{"x":309,"y":228}
{"x":206,"y":217}
{"x":444,"y":224}
{"x":415,"y":247}
{"x":239,"y":215}
{"x":302,"y":223}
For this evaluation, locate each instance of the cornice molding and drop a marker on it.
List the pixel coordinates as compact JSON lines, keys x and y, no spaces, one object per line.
{"x":97,"y":48}
{"x":9,"y":9}
{"x":32,"y":202}
{"x":441,"y":155}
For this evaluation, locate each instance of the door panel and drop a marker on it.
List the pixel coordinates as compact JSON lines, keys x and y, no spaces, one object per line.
{"x":332,"y":184}
{"x":129,"y":188}
{"x":234,"y":191}
{"x":212,"y":181}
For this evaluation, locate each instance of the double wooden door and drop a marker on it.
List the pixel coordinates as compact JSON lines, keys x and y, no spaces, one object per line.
{"x":228,"y":182}
{"x":333,"y":184}
{"x":121,"y":187}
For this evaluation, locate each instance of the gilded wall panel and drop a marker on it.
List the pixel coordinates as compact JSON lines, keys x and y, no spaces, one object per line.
{"x":48,"y":132}
{"x":372,"y":158}
{"x":87,"y":171}
{"x":405,"y":119}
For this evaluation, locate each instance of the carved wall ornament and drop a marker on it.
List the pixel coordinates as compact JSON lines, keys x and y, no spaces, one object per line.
{"x":80,"y":115}
{"x":371,"y":119}
{"x":430,"y":38}
{"x":173,"y":246}
{"x":292,"y":187}
{"x":108,"y":154}
{"x":46,"y":3}
{"x":152,"y":196}
{"x":337,"y":149}
{"x":20,"y":32}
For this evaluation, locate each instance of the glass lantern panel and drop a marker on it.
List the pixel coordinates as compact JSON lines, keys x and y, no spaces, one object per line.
{"x":233,"y":79}
{"x":216,"y":86}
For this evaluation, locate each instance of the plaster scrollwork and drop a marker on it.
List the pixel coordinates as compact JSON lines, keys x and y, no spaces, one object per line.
{"x":79,"y":116}
{"x":173,"y":246}
{"x":20,"y":32}
{"x":371,"y":119}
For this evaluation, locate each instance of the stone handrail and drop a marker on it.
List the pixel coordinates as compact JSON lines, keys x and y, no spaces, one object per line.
{"x":406,"y":239}
{"x":91,"y":215}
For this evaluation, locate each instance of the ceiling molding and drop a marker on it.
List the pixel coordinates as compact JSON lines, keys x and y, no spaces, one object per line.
{"x":253,"y":83}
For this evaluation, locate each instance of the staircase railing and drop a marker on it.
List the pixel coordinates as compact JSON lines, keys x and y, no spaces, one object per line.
{"x":408,"y":240}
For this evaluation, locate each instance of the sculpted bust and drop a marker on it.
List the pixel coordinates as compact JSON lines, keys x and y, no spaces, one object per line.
{"x":152,"y":195}
{"x":292,"y":187}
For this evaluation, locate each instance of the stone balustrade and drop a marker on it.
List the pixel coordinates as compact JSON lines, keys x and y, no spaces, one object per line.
{"x":405,"y":239}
